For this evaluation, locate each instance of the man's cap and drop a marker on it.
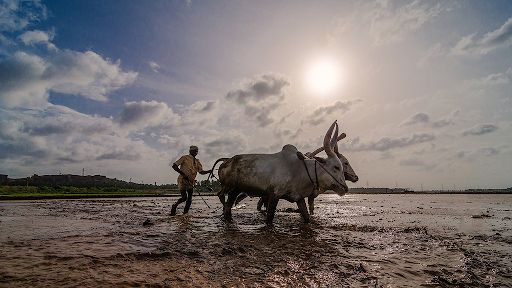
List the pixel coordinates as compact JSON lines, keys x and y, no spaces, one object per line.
{"x":192,"y":148}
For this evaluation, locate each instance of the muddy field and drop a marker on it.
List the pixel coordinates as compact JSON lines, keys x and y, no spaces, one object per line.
{"x":353,"y":241}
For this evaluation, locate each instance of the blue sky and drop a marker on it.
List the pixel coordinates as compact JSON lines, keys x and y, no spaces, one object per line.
{"x":122,"y":88}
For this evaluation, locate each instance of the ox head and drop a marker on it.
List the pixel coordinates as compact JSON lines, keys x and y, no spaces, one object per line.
{"x":348,"y":171}
{"x":332,"y":177}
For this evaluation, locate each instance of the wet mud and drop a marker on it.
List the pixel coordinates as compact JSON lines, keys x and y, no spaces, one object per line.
{"x":352,"y":241}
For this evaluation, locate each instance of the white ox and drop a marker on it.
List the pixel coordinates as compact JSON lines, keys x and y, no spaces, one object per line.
{"x":348,"y":171}
{"x":283,"y":175}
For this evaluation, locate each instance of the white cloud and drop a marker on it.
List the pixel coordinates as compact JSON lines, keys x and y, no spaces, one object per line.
{"x":433,"y":52}
{"x":154,"y":66}
{"x":391,"y":24}
{"x":487,"y":81}
{"x":500,"y":38}
{"x":260,"y":96}
{"x":386,"y":143}
{"x":26,"y":80}
{"x":416,"y":118}
{"x":480,"y":129}
{"x":225,"y":146}
{"x":14,"y":18}
{"x":320,"y":114}
{"x":417,"y":162}
{"x":38,"y":37}
{"x":143,"y":114}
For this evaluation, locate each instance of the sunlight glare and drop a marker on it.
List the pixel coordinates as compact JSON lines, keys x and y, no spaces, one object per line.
{"x":323,"y":76}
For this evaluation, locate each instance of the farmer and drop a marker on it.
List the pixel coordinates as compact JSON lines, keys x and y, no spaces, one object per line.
{"x":188,"y":167}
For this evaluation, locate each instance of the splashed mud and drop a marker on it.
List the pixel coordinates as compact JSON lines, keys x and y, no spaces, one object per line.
{"x":353,"y":241}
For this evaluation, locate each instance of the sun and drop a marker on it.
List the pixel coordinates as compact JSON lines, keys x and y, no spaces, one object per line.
{"x":323,"y":76}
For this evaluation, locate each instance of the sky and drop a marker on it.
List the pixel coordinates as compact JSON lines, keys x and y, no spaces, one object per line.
{"x":422,"y":89}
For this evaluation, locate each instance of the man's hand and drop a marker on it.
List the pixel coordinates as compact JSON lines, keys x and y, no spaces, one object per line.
{"x":205,"y":172}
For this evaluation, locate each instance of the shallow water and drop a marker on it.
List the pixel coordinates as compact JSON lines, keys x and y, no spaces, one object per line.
{"x":352,"y":241}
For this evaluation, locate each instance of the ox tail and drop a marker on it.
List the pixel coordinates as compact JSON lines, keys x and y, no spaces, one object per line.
{"x":216,"y":162}
{"x":211,"y":175}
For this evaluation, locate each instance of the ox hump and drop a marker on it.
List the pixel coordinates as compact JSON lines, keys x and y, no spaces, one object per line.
{"x":289,"y":148}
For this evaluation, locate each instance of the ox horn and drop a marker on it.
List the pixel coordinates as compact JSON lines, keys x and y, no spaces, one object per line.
{"x":334,"y":139}
{"x":313,"y":154}
{"x":327,"y":139}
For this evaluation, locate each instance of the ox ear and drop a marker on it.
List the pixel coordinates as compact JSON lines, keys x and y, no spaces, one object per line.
{"x":300,"y":155}
{"x":321,"y":160}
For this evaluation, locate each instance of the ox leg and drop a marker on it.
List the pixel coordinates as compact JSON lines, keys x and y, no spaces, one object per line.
{"x":232,"y":195}
{"x":260,"y":203}
{"x":303,"y":210}
{"x":271,"y":209}
{"x":311,"y":204}
{"x":223,"y":191}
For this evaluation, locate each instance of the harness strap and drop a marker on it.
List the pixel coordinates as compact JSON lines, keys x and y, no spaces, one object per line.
{"x":329,"y":174}
{"x":316,"y":175}
{"x":307,"y":171}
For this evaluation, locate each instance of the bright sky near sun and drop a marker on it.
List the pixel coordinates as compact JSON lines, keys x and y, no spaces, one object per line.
{"x":423,"y":89}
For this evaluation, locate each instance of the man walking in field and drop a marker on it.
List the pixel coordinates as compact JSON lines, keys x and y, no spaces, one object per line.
{"x":188,"y":167}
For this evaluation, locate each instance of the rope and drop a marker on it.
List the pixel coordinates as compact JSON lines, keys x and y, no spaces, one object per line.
{"x":316,"y":174}
{"x":307,"y":171}
{"x":328,"y":173}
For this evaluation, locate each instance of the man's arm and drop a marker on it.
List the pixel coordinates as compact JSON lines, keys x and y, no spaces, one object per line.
{"x":201,"y":171}
{"x":177,"y":169}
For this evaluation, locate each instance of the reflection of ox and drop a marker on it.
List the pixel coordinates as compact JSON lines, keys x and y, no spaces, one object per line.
{"x":348,"y":172}
{"x":283,"y":175}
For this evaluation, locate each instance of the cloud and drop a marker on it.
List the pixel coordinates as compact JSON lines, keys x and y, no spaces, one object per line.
{"x":320,"y":114}
{"x":487,"y":81}
{"x":416,"y":162}
{"x":261,"y":87}
{"x":500,"y":38}
{"x":442,"y":123}
{"x":203,"y":106}
{"x":154,"y":66}
{"x":416,"y":118}
{"x":260,"y":96}
{"x":421,"y":117}
{"x":391,"y":24}
{"x":14,"y":144}
{"x":226,"y":146}
{"x":144,"y":114}
{"x":480,"y":130}
{"x":433,"y":52}
{"x":26,"y":80}
{"x":386,"y":143}
{"x":126,"y":155}
{"x":38,"y":37}
{"x":473,"y":153}
{"x":68,"y":127}
{"x":59,"y":135}
{"x":16,"y":14}
{"x":489,"y":151}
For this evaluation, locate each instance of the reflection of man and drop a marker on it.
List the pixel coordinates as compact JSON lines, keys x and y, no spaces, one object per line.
{"x":188,"y":167}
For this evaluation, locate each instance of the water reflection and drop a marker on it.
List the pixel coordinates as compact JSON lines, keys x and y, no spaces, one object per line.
{"x":356,"y":240}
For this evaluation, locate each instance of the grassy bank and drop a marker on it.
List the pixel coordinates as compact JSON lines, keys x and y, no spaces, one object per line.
{"x":66,"y":192}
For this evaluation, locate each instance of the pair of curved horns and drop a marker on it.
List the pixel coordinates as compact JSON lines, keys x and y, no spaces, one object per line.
{"x":313,"y":154}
